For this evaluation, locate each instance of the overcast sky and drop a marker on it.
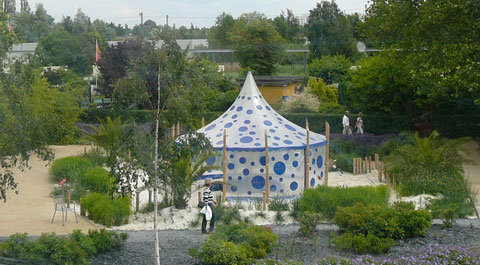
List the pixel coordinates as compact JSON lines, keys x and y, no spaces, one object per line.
{"x":181,"y":12}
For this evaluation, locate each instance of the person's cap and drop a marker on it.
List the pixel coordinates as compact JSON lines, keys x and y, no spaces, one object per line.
{"x":208,"y":181}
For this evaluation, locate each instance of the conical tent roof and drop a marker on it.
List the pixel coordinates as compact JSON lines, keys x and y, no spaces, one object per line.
{"x":247,"y":120}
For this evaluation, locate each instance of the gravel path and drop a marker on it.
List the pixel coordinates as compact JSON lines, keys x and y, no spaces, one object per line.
{"x":174,"y":244}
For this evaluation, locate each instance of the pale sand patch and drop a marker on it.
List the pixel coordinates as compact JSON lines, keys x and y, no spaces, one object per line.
{"x":32,"y":209}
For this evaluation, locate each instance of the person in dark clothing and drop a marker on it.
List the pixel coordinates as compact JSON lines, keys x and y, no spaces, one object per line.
{"x":209,"y":202}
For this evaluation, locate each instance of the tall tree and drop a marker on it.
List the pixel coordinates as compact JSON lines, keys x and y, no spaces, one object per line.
{"x":288,"y":26}
{"x":441,"y":38}
{"x":218,"y":35}
{"x":329,"y":31}
{"x":9,"y":6}
{"x":264,"y":46}
{"x":24,"y":6}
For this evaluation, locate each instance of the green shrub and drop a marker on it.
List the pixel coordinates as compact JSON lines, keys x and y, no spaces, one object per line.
{"x":396,"y":222}
{"x":104,"y":240}
{"x":96,"y":156}
{"x":277,"y":204}
{"x":309,"y":222}
{"x":69,"y":168}
{"x":326,"y":200}
{"x":97,"y":179}
{"x":102,"y":209}
{"x":363,"y":244}
{"x":227,"y":214}
{"x":240,"y":243}
{"x":52,"y":249}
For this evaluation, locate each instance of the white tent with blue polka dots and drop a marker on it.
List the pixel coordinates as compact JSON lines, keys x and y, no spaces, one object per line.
{"x":245,"y":123}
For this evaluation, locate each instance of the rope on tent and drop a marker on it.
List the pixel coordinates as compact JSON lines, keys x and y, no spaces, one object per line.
{"x":349,"y":161}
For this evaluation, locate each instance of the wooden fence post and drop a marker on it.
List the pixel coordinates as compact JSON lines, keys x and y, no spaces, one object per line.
{"x":203,"y":122}
{"x":267,"y":168}
{"x":377,"y":160}
{"x":379,"y":172}
{"x":307,"y":158}
{"x":178,"y":128}
{"x":137,"y":201}
{"x":264,"y":201}
{"x":173,"y":132}
{"x":224,"y":188}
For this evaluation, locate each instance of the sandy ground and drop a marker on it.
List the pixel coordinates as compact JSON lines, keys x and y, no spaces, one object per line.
{"x":31,"y":210}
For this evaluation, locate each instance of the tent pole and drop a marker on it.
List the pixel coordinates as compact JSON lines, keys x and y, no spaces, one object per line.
{"x":307,"y":158}
{"x":173,"y":132}
{"x":178,"y":128}
{"x":267,"y":163}
{"x":224,"y":186}
{"x":327,"y":151}
{"x":203,"y":122}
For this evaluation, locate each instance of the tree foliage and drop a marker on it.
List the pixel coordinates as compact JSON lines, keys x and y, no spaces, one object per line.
{"x":329,"y":31}
{"x":332,"y":69}
{"x":262,"y":50}
{"x":441,"y":39}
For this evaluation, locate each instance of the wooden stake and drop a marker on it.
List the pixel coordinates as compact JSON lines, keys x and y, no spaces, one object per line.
{"x":327,"y":151}
{"x":369,"y":164}
{"x":394,"y":181}
{"x":267,"y":168}
{"x":203,"y":122}
{"x":379,"y":171}
{"x":137,"y":201}
{"x":365,"y":166}
{"x":173,"y":132}
{"x":199,"y":196}
{"x":307,"y":158}
{"x":224,"y":188}
{"x":178,"y":128}
{"x":264,"y":201}
{"x":377,"y":161}
{"x":85,"y":150}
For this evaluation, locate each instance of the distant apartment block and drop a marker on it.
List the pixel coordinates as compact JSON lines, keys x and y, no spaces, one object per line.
{"x":302,"y":19}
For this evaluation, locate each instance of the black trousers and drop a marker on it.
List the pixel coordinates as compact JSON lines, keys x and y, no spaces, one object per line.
{"x":212,"y":221}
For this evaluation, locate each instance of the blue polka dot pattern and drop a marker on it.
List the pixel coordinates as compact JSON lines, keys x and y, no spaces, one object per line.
{"x":319,"y":161}
{"x":211,"y":160}
{"x":246,"y":171}
{"x":228,"y":125}
{"x":258,"y":182}
{"x":262,"y":161}
{"x":286,"y":156}
{"x":209,"y":127}
{"x":279,"y":168}
{"x":293,"y":186}
{"x":295,"y":164}
{"x":231,"y":166}
{"x":242,"y":160}
{"x":233,"y":188}
{"x":273,"y":188}
{"x":312,"y":182}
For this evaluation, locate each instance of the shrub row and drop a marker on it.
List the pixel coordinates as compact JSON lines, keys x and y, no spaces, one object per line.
{"x":451,"y":126}
{"x":52,"y":249}
{"x":240,"y":243}
{"x":326,"y":200}
{"x":373,"y":229}
{"x":102,"y":209}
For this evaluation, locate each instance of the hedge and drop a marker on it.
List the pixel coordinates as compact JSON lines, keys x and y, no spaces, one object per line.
{"x":451,"y":126}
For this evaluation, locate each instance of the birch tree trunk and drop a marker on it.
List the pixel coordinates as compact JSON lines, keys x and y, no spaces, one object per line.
{"x":155,"y":181}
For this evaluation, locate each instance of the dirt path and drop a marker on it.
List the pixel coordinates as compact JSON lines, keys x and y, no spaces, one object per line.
{"x":31,"y":210}
{"x":472,"y":172}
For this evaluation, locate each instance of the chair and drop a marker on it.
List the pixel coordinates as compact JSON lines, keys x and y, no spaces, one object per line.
{"x":60,"y":205}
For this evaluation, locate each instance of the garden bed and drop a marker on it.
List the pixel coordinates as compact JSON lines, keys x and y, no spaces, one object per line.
{"x":174,"y":244}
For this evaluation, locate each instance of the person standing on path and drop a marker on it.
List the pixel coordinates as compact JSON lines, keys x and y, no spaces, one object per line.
{"x":209,"y":202}
{"x":346,"y":124}
{"x":359,"y":123}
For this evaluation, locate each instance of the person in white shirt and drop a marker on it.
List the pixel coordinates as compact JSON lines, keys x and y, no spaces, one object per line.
{"x":359,"y":123}
{"x":346,"y":124}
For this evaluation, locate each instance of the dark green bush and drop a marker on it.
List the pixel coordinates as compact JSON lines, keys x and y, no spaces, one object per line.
{"x":309,"y":222}
{"x":326,"y":200}
{"x":396,"y":222}
{"x":363,"y":244}
{"x":104,"y":240}
{"x":52,"y":249}
{"x":226,"y":214}
{"x":69,"y":168}
{"x":97,"y":179}
{"x":102,"y":209}
{"x":277,"y":204}
{"x":240,"y":243}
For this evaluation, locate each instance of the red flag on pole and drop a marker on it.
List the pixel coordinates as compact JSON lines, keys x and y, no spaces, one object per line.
{"x":97,"y":51}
